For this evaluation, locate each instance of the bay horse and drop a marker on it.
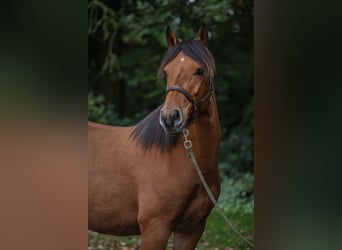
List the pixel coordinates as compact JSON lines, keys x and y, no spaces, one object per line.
{"x":141,"y":179}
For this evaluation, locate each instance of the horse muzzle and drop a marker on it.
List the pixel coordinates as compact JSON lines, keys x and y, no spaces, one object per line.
{"x":172,"y":121}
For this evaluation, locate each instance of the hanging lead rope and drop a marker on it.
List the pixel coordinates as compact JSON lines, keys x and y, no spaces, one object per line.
{"x":188,"y":147}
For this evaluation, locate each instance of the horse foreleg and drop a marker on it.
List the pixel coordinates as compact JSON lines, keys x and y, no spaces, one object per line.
{"x":187,"y":240}
{"x":154,"y":235}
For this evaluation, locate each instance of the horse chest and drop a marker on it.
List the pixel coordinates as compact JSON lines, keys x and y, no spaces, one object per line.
{"x":198,"y":206}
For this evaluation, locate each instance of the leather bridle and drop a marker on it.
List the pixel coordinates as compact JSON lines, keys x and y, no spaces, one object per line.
{"x":196,"y":103}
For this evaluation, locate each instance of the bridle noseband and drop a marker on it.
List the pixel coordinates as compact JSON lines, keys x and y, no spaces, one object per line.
{"x":196,"y":103}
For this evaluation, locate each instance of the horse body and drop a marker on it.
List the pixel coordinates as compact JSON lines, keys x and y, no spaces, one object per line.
{"x":139,"y":188}
{"x":110,"y":182}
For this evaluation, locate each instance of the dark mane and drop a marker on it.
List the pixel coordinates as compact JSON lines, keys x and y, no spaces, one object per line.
{"x":149,"y":132}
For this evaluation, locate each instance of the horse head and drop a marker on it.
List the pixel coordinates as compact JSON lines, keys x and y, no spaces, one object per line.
{"x":188,"y":67}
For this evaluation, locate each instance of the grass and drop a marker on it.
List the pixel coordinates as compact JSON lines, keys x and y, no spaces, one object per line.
{"x":218,"y":235}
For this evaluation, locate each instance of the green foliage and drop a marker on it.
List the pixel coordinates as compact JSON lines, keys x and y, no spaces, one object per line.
{"x":102,"y":22}
{"x":101,"y":112}
{"x":237,"y":149}
{"x":237,"y":195}
{"x":98,"y":111}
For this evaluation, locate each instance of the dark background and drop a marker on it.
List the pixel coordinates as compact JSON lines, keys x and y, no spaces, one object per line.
{"x":297,"y":125}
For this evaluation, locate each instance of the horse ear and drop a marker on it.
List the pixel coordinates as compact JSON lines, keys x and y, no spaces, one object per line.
{"x":171,"y":38}
{"x":202,"y":35}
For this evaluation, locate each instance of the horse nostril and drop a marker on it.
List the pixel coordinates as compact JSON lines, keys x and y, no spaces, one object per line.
{"x":176,"y":117}
{"x":175,"y":114}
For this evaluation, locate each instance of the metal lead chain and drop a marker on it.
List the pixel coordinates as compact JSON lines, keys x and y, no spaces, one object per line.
{"x":187,"y":142}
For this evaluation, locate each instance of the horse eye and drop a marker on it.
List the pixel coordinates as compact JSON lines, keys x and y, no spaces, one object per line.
{"x":199,"y":72}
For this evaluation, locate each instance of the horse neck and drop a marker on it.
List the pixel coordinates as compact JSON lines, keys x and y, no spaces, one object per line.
{"x":205,"y":134}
